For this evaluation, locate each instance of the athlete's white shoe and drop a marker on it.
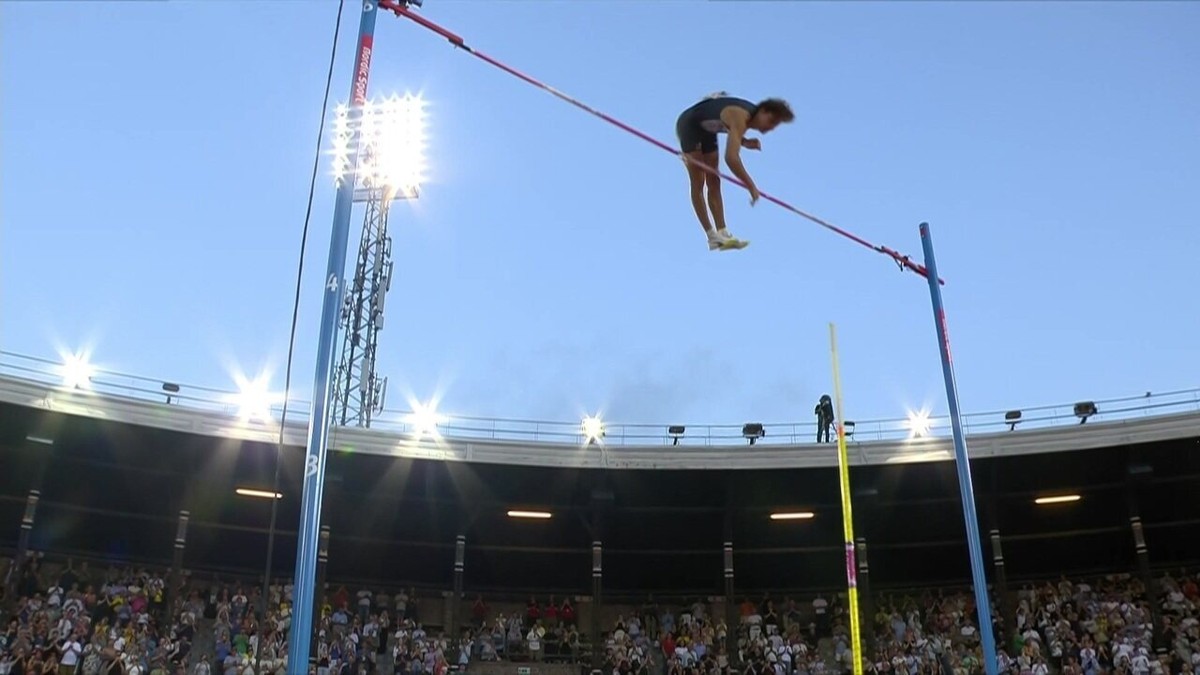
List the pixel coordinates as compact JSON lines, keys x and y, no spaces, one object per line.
{"x":721,"y":240}
{"x":718,"y":239}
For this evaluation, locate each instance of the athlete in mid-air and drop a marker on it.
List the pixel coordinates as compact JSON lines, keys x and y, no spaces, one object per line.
{"x":697,"y":128}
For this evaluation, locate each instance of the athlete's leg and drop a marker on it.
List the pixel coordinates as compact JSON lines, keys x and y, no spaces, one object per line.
{"x":718,"y":237}
{"x":691,"y":138}
{"x":712,"y":180}
{"x":696,"y":181}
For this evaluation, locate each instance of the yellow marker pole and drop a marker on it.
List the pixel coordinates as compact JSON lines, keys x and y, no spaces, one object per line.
{"x":847,"y":515}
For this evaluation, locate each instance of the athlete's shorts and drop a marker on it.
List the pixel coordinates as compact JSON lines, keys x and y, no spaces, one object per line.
{"x":692,"y":136}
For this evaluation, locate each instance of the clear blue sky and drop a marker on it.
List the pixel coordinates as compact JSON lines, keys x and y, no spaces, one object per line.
{"x":155,"y":161}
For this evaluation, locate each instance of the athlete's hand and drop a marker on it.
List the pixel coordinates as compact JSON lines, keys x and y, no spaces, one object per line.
{"x":752,"y":144}
{"x":754,"y":195}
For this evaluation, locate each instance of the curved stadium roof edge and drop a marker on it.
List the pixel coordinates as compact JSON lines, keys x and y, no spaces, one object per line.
{"x":726,"y":453}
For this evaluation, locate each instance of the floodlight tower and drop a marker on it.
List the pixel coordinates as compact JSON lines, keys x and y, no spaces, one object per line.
{"x":389,"y":134}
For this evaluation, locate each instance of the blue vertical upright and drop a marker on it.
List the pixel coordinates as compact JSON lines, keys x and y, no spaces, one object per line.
{"x":961,"y":461}
{"x":300,"y":637}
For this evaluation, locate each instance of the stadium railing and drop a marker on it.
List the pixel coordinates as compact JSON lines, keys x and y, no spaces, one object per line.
{"x":224,"y":401}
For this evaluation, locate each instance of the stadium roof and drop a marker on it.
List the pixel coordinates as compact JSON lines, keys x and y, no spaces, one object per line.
{"x":114,"y":472}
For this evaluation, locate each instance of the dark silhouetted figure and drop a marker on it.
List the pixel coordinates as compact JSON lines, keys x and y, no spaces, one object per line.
{"x":824,"y":412}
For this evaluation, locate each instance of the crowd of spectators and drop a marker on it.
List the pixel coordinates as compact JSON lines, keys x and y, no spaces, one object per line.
{"x":543,"y":632}
{"x":1105,"y":625}
{"x":1180,"y":602}
{"x":932,"y":633}
{"x":76,"y":620}
{"x":80,"y":622}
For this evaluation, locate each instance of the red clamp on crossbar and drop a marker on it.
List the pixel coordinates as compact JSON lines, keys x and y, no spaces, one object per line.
{"x":906,"y":263}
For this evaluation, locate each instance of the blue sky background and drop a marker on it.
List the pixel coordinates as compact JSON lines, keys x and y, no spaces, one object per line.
{"x":155,"y":160}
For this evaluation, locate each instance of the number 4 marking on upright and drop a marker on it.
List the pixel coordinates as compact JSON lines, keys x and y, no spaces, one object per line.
{"x":332,"y":284}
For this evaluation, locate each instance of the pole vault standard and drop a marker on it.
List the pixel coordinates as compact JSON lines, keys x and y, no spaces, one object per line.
{"x":961,"y":460}
{"x":300,"y":636}
{"x":314,"y":474}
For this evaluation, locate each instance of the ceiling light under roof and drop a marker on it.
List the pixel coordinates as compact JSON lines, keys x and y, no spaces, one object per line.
{"x":537,"y":515}
{"x":262,"y":494}
{"x":1058,"y":499}
{"x":792,"y":515}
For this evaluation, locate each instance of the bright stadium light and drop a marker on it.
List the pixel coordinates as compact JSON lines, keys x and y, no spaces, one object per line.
{"x":76,"y":371}
{"x":593,"y":429}
{"x":254,"y":398}
{"x":425,"y":419}
{"x":389,"y":136}
{"x":918,"y":423}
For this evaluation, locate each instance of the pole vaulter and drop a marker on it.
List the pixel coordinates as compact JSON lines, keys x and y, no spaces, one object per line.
{"x":400,"y":9}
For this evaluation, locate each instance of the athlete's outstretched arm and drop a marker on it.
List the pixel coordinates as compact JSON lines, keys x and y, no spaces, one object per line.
{"x":735,"y":120}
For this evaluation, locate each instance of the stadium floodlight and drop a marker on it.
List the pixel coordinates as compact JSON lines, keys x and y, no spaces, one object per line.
{"x":593,"y":429}
{"x":918,"y":423}
{"x":389,"y":136}
{"x":1084,"y":410}
{"x":254,"y":398}
{"x":532,"y":515}
{"x":1058,"y":499}
{"x":792,"y":515}
{"x":76,"y":371}
{"x":425,"y":419}
{"x":753,"y":431}
{"x":675,"y":431}
{"x":261,"y":494}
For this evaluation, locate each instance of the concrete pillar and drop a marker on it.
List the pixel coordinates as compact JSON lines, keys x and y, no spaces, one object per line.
{"x":27,"y":520}
{"x":866,"y":608}
{"x":1008,"y":613}
{"x":597,"y":602}
{"x":173,"y":582}
{"x":460,"y":551}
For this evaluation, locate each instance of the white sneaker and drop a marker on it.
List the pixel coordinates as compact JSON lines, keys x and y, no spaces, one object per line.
{"x":718,"y":239}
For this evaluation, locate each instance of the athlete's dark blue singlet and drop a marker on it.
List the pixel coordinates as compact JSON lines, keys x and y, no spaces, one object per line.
{"x":698,"y":126}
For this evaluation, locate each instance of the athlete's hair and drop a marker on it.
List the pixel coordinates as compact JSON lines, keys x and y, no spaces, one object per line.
{"x":777,"y":107}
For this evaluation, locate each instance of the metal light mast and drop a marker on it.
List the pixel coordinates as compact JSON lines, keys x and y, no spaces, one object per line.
{"x":359,"y":390}
{"x":389,"y":137}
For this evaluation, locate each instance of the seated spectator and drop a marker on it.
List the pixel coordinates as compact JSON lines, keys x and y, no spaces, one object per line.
{"x":533,"y":611}
{"x":479,"y":612}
